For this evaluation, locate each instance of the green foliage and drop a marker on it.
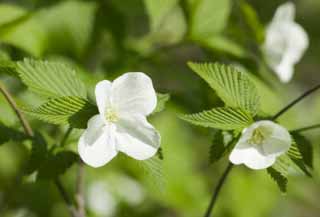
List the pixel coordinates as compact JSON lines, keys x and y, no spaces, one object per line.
{"x":231,"y":85}
{"x":10,"y":13}
{"x":8,"y":134}
{"x":57,"y":164}
{"x":50,"y":79}
{"x":153,"y":169}
{"x":208,"y":17}
{"x":7,"y":67}
{"x":65,"y":110}
{"x":224,"y":118}
{"x":297,"y":158}
{"x":217,"y":148}
{"x":162,"y":99}
{"x":305,"y":148}
{"x":279,"y":178}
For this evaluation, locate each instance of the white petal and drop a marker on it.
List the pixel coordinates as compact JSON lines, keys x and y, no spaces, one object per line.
{"x":133,"y":93}
{"x":285,"y":12}
{"x":103,"y":96}
{"x":279,"y":142}
{"x":137,"y":138}
{"x":97,"y":144}
{"x":251,"y":157}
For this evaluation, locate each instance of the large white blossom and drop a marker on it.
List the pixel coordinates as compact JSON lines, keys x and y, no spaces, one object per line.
{"x":260,"y":144}
{"x":121,"y":125}
{"x":285,"y":43}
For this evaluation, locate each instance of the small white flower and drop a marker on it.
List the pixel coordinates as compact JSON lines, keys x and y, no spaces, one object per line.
{"x":260,"y":145}
{"x":121,"y":125}
{"x":285,"y":43}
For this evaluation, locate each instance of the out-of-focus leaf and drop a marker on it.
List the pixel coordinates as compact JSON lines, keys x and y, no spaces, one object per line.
{"x":27,"y":34}
{"x":69,"y":25}
{"x":279,"y":172}
{"x":223,"y":44}
{"x":154,"y":171}
{"x":8,"y":67}
{"x":234,"y":87}
{"x":162,"y":99}
{"x":39,"y":154}
{"x":57,"y":164}
{"x":10,"y":13}
{"x":223,"y":118}
{"x":8,"y":134}
{"x":50,"y":79}
{"x":73,"y":110}
{"x":217,"y":147}
{"x":253,"y":21}
{"x":305,"y":148}
{"x":208,"y":17}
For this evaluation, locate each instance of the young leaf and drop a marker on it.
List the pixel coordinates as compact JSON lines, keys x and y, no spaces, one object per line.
{"x":57,"y":164}
{"x":279,"y":178}
{"x":162,"y":99}
{"x":305,"y":148}
{"x":223,"y":118}
{"x":217,"y":148}
{"x":297,"y":158}
{"x":279,"y":172}
{"x":63,"y":110}
{"x":50,"y":79}
{"x":208,"y":17}
{"x":232,"y":86}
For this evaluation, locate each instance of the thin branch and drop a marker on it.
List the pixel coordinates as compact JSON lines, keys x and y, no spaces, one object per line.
{"x":65,"y":197}
{"x":218,"y":189}
{"x":312,"y":127}
{"x":294,"y":102}
{"x":80,"y":190}
{"x":65,"y":137}
{"x":19,"y":114}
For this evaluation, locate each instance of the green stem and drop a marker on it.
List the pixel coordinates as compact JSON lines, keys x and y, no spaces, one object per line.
{"x":218,"y":189}
{"x":65,"y":137}
{"x":294,"y":102}
{"x":312,"y":127}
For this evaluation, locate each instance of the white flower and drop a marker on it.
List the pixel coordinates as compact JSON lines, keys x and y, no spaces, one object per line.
{"x":285,"y":43}
{"x":121,"y":125}
{"x":260,"y":145}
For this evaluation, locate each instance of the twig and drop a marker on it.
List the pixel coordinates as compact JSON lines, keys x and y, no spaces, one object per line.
{"x":218,"y":189}
{"x":290,"y":105}
{"x":80,"y":190}
{"x":65,"y":137}
{"x":65,"y":197}
{"x":29,"y":132}
{"x":305,"y":128}
{"x":19,"y":114}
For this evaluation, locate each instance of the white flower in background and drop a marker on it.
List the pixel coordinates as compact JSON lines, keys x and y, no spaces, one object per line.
{"x":121,"y":125}
{"x":100,"y":199}
{"x":260,"y":144}
{"x":285,"y":43}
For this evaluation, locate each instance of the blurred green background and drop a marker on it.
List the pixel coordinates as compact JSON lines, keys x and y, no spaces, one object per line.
{"x":105,"y":38}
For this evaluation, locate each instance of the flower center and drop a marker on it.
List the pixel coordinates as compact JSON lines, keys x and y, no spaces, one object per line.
{"x":259,"y":135}
{"x":111,"y":115}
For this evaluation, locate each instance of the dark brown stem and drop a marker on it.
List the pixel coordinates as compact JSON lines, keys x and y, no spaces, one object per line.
{"x":294,"y":102}
{"x":80,"y":190}
{"x":217,"y":190}
{"x":19,"y":114}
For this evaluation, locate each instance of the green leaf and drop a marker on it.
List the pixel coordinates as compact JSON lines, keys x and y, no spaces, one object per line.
{"x":223,"y":44}
{"x":297,"y":158}
{"x":39,"y":154}
{"x":208,"y":17}
{"x":65,"y":110}
{"x":69,"y":26}
{"x":279,"y":178}
{"x":153,"y":169}
{"x":305,"y":148}
{"x":253,"y":21}
{"x":162,"y":99}
{"x":50,"y":79}
{"x":10,"y":134}
{"x":223,"y":118}
{"x":26,"y":34}
{"x":8,"y":67}
{"x":57,"y":164}
{"x":217,"y":148}
{"x":233,"y":86}
{"x":9,"y":13}
{"x":158,"y":11}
